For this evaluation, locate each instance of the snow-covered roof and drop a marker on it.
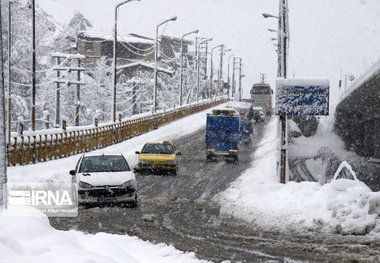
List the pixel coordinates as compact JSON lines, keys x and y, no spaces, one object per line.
{"x":144,"y":64}
{"x":178,"y":39}
{"x":374,"y":70}
{"x":239,"y":104}
{"x":69,"y":56}
{"x":130,"y":38}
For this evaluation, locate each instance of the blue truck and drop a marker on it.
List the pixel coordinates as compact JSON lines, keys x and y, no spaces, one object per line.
{"x":224,"y":130}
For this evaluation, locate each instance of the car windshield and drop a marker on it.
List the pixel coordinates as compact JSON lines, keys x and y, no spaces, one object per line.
{"x":104,"y":163}
{"x":158,"y":148}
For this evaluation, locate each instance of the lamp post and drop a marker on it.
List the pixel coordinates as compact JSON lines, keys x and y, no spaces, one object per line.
{"x":114,"y":59}
{"x":181,"y":65}
{"x":155,"y":62}
{"x":283,"y":38}
{"x":221,"y":68}
{"x":198,"y":52}
{"x":212,"y":66}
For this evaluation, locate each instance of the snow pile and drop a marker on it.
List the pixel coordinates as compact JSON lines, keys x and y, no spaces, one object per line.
{"x":324,"y":137}
{"x":34,"y":240}
{"x":342,"y":206}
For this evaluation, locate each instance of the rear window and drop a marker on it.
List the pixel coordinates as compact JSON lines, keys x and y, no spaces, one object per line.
{"x":260,"y":90}
{"x":104,"y":163}
{"x":158,"y":149}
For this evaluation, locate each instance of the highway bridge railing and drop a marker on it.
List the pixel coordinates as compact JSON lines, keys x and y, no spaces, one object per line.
{"x":44,"y":146}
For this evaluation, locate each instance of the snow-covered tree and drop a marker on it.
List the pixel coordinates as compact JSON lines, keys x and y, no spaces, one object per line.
{"x":79,"y":23}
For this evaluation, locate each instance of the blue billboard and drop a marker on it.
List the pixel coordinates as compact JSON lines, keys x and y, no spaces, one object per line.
{"x":302,"y":96}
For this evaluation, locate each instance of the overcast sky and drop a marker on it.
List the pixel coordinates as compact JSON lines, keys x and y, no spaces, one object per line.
{"x":326,"y":36}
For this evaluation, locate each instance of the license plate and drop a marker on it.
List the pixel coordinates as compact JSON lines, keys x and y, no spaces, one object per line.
{"x":106,"y":199}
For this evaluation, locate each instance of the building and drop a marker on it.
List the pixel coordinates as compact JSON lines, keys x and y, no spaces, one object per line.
{"x":357,"y":119}
{"x":130,"y":48}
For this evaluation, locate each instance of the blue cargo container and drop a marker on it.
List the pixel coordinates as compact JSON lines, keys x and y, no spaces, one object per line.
{"x":222,"y":134}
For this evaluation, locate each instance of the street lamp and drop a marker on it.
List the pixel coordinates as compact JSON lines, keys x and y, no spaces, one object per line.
{"x":174,"y":18}
{"x":212,"y":66}
{"x":114,"y":58}
{"x":198,"y":51}
{"x":266,"y":15}
{"x":181,"y":65}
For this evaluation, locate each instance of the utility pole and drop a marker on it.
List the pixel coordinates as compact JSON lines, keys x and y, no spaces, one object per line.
{"x":155,"y":62}
{"x":33,"y":65}
{"x":77,"y":106}
{"x":58,"y":97}
{"x":228,"y":75}
{"x":198,"y":49}
{"x":220,"y":69}
{"x":283,"y":38}
{"x":212,"y":67}
{"x":240,"y":95}
{"x":61,"y":82}
{"x":3,"y":142}
{"x":205,"y":68}
{"x":233,"y":77}
{"x":9,"y":69}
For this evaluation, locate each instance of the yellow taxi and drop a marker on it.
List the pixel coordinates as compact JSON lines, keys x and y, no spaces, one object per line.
{"x":158,"y":156}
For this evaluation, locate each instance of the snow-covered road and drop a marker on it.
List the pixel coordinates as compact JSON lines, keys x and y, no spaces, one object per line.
{"x":257,"y":198}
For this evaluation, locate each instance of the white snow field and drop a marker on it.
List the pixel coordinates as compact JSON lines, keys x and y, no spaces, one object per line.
{"x":342,"y":206}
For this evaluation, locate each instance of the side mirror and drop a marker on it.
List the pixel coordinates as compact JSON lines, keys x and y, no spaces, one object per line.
{"x":178,"y":153}
{"x":73,"y":172}
{"x":137,"y":152}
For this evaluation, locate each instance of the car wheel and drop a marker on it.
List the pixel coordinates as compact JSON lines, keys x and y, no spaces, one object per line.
{"x":134,"y":203}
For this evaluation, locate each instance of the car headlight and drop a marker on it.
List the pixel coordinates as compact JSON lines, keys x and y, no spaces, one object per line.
{"x":85,"y":185}
{"x":129,"y":184}
{"x":170,"y":162}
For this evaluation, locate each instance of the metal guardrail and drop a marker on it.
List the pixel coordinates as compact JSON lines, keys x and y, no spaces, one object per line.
{"x":24,"y":150}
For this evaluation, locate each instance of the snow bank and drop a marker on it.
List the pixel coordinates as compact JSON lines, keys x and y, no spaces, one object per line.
{"x":342,"y":206}
{"x":34,"y":240}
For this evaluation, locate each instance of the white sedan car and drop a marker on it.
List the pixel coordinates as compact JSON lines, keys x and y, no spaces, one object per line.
{"x":104,"y":178}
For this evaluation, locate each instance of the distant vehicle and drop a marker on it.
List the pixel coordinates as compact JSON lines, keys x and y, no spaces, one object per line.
{"x":104,"y":178}
{"x":246,"y":123}
{"x":156,"y":156}
{"x":257,"y":114}
{"x":261,"y":96}
{"x":222,"y":134}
